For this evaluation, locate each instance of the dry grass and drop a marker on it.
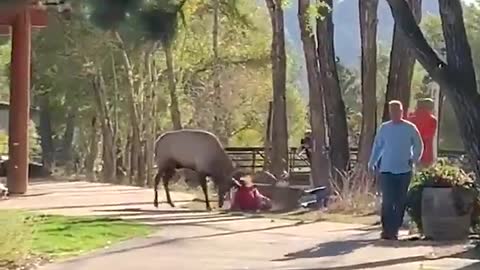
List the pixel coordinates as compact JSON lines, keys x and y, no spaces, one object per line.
{"x":354,"y":195}
{"x":355,"y":202}
{"x":16,"y":237}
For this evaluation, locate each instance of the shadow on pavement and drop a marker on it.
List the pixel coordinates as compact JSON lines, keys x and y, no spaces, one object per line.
{"x":328,"y":249}
{"x":368,"y":228}
{"x":30,"y":195}
{"x":140,"y":211}
{"x":474,"y":266}
{"x":98,"y":205}
{"x":158,"y":241}
{"x":392,"y":262}
{"x":399,"y":261}
{"x":473,"y":254}
{"x":338,"y":248}
{"x":173,"y":217}
{"x":377,"y":264}
{"x":62,"y":185}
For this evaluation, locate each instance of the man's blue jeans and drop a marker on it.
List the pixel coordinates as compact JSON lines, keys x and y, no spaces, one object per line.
{"x":394,"y":199}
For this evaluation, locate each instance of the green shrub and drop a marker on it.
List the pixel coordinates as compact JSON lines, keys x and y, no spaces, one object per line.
{"x":465,"y":191}
{"x":16,"y":236}
{"x":33,"y":141}
{"x":3,"y":143}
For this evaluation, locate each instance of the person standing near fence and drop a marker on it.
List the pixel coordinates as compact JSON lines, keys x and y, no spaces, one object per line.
{"x":306,"y":145}
{"x":426,"y":122}
{"x":399,"y":146}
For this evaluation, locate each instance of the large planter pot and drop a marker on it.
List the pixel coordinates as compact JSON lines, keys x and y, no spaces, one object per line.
{"x":440,"y":219}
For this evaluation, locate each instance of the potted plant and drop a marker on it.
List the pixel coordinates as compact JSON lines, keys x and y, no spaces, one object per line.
{"x":443,"y":202}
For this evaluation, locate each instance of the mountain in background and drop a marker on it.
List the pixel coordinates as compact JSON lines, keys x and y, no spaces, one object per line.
{"x":347,"y":33}
{"x":347,"y":28}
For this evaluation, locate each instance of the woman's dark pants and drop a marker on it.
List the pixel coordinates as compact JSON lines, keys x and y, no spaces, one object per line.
{"x":394,"y":199}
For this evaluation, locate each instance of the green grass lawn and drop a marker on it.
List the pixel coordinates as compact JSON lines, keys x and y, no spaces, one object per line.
{"x":60,"y":236}
{"x":23,"y":234}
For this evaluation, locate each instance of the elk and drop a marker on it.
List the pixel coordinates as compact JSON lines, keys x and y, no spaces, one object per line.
{"x":197,"y":150}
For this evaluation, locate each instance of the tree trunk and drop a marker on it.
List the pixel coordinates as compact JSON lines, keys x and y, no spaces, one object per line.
{"x":402,"y":63}
{"x":145,"y":111}
{"x":141,"y":179}
{"x":133,"y":115}
{"x":335,"y":107}
{"x":151,"y":123}
{"x":457,"y":78}
{"x":120,"y":171}
{"x":218,"y":113}
{"x":109,"y":152}
{"x":46,"y":133}
{"x":149,"y":151}
{"x":127,"y":160}
{"x":135,"y":148}
{"x":441,"y":104}
{"x":267,"y":143}
{"x":320,"y":167}
{"x":67,"y":145}
{"x":279,"y":74}
{"x":368,"y":33}
{"x":174,"y":107}
{"x":92,"y":150}
{"x":459,"y":58}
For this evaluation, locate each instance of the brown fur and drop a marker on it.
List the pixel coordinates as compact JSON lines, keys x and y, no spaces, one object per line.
{"x":197,"y":150}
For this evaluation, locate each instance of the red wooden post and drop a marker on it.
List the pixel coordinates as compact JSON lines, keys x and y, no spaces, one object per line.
{"x":18,"y":21}
{"x":17,"y":179}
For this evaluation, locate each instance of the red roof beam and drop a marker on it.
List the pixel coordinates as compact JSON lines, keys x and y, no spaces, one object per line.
{"x":39,"y":17}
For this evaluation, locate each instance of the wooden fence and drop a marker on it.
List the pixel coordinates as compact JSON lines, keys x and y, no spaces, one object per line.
{"x":252,"y":158}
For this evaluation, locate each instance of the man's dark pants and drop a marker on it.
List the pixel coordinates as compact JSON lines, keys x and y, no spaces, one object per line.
{"x":394,"y":198}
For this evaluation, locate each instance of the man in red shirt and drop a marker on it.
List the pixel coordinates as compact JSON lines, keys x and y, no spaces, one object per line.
{"x":426,"y":124}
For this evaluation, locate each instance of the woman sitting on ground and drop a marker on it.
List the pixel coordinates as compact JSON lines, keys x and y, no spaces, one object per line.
{"x":246,"y":197}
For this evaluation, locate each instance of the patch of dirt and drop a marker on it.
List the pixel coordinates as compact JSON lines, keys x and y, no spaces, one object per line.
{"x":30,"y":263}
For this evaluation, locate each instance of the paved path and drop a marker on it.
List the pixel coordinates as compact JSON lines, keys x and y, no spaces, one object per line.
{"x":84,"y":198}
{"x":199,"y":240}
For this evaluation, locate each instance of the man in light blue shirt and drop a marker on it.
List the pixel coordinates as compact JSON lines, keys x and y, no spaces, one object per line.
{"x":398,"y":146}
